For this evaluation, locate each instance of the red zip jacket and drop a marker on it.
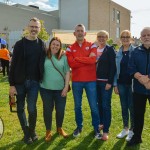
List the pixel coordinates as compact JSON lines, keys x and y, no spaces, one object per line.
{"x":81,"y":62}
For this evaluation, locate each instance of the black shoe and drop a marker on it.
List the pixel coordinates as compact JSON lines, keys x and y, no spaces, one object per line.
{"x":97,"y":134}
{"x":77,"y":132}
{"x":34,"y":136}
{"x":134,"y":142}
{"x":28,"y":140}
{"x":27,"y":137}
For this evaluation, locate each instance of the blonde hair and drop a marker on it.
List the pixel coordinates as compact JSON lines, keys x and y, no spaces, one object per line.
{"x":103,"y":32}
{"x":34,"y":19}
{"x":125,"y":31}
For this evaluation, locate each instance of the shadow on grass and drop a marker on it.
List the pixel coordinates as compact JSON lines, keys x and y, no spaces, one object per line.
{"x":62,"y":143}
{"x":45,"y":145}
{"x":18,"y":145}
{"x":122,"y":144}
{"x":119,"y":144}
{"x":4,"y":79}
{"x":88,"y":143}
{"x":38,"y":145}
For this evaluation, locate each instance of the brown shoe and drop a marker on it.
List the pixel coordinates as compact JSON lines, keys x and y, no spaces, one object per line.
{"x":48,"y":136}
{"x":62,"y":132}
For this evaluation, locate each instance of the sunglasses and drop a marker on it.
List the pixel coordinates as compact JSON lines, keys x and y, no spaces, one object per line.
{"x":125,"y":37}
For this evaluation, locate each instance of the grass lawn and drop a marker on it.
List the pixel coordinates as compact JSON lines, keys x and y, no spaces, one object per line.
{"x":11,"y":139}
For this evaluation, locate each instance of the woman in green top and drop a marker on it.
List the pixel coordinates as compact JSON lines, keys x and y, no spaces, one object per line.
{"x":54,"y":88}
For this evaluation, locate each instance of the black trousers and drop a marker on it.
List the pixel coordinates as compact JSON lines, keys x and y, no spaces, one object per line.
{"x":139,"y":103}
{"x":5,"y":65}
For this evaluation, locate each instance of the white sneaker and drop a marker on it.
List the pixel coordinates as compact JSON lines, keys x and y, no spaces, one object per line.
{"x":129,"y":136}
{"x":123,"y":133}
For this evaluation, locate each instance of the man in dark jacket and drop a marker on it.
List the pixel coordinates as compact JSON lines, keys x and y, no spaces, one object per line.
{"x":25,"y":73}
{"x":139,"y":68}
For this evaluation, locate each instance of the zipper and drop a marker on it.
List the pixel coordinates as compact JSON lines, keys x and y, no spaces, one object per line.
{"x":147,"y":64}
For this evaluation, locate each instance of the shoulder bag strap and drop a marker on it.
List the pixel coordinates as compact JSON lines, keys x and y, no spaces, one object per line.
{"x":57,"y":70}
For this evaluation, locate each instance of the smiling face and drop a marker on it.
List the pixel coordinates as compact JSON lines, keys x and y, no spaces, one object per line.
{"x":102,"y":38}
{"x":125,"y":38}
{"x":34,"y":28}
{"x":55,"y":47}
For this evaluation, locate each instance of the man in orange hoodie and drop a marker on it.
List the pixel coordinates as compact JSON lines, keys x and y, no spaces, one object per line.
{"x":82,"y":60}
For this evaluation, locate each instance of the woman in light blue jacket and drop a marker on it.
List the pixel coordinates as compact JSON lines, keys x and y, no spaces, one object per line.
{"x":123,"y":84}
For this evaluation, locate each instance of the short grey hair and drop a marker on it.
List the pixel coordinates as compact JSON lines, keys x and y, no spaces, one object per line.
{"x":145,"y":28}
{"x":80,"y":25}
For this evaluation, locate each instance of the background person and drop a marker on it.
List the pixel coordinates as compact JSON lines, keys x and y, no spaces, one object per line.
{"x":53,"y":88}
{"x":5,"y":58}
{"x":81,"y":58}
{"x":105,"y":71}
{"x":123,"y":84}
{"x":25,"y":73}
{"x":139,"y":68}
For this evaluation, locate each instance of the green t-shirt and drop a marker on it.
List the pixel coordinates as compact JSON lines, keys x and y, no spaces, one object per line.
{"x":52,"y":79}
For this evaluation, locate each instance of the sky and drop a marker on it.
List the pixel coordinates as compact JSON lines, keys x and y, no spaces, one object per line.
{"x":140,"y":11}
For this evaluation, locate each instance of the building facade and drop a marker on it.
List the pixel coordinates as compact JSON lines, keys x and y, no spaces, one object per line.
{"x":95,"y":15}
{"x":14,"y":20}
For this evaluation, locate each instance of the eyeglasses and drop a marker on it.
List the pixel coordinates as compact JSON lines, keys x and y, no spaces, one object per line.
{"x":101,"y":37}
{"x":36,"y":27}
{"x":125,"y":37}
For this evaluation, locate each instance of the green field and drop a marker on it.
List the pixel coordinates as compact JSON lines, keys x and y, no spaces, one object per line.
{"x":11,"y":139}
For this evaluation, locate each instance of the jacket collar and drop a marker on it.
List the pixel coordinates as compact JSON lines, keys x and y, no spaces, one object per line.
{"x":131,"y":48}
{"x":82,"y":43}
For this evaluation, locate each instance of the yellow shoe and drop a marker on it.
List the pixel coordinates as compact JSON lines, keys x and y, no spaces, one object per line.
{"x":62,"y":132}
{"x":48,"y":136}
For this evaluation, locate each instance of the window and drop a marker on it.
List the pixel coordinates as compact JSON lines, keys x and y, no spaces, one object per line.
{"x":117,"y":32}
{"x":118,"y":16}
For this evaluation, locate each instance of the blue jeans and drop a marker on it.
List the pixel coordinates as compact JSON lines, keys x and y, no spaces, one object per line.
{"x":50,"y":99}
{"x":29,"y":92}
{"x":104,"y":104}
{"x":90,"y":89}
{"x":126,"y":100}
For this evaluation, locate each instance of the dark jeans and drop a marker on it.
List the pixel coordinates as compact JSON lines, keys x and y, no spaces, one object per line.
{"x":28,"y":91}
{"x":5,"y":65}
{"x":139,"y":103}
{"x":90,"y":89}
{"x":104,"y":103}
{"x":50,"y":99}
{"x":126,"y":100}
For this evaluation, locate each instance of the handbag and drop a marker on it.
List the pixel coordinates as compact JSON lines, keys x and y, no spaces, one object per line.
{"x":12,"y":103}
{"x":69,"y":87}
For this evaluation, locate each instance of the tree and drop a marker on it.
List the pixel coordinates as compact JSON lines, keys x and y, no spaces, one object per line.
{"x":111,"y":43}
{"x":42,"y":35}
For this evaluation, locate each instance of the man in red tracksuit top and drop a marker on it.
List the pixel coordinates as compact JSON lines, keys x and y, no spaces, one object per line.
{"x":81,"y":58}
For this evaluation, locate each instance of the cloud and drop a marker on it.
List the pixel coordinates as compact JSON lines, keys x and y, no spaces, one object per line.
{"x":42,"y":4}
